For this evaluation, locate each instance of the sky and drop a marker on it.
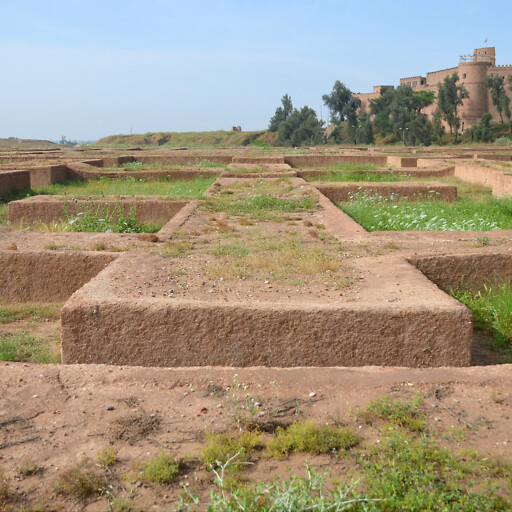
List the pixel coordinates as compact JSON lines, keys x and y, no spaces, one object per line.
{"x":85,"y":69}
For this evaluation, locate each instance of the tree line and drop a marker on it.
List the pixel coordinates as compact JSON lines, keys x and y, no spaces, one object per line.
{"x":397,"y":114}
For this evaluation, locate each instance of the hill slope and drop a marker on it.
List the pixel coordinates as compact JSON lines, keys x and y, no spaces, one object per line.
{"x":189,"y":139}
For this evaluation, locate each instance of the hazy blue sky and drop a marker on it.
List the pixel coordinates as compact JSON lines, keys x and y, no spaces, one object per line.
{"x":86,"y":69}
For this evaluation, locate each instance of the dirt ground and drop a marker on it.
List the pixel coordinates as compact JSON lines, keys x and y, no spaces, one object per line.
{"x":57,"y":416}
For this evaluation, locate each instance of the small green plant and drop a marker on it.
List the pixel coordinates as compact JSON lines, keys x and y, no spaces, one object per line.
{"x":241,"y":405}
{"x":52,"y":246}
{"x":308,"y":437}
{"x":222,"y":447}
{"x":296,"y":494}
{"x":162,"y":469}
{"x":107,"y":457}
{"x":407,"y":415}
{"x":12,"y":247}
{"x":35,"y":312}
{"x":81,"y":482}
{"x":482,"y":240}
{"x":28,"y":468}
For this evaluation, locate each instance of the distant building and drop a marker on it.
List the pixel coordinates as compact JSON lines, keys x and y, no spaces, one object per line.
{"x":235,"y":129}
{"x":472,"y":71}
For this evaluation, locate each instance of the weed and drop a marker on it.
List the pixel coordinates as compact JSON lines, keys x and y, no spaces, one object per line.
{"x":52,"y":246}
{"x":162,"y":469}
{"x":336,"y":176}
{"x":25,"y":348}
{"x":29,"y":468}
{"x":241,"y":405}
{"x":482,"y":240}
{"x":391,"y":246}
{"x":119,"y":505}
{"x":293,"y":495}
{"x":497,"y":398}
{"x":80,"y":482}
{"x":12,"y":247}
{"x":406,"y":415}
{"x":308,"y":437}
{"x":416,"y":475}
{"x":107,"y":457}
{"x":221,"y":447}
{"x":99,"y":247}
{"x":177,"y":249}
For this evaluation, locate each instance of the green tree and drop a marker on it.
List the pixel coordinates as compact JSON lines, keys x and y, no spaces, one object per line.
{"x":301,"y":127}
{"x":481,"y":132}
{"x":380,"y":110}
{"x":499,"y":97}
{"x":450,"y":97}
{"x":337,"y":101}
{"x":349,"y":113}
{"x":281,"y":113}
{"x":365,"y":129}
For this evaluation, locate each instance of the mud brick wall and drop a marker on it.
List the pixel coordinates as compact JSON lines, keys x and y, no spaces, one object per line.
{"x":43,"y":176}
{"x":13,"y":180}
{"x":332,"y":160}
{"x":184,"y":160}
{"x":499,"y":181}
{"x":343,"y":191}
{"x":262,"y":160}
{"x":469,"y":271}
{"x":47,"y":276}
{"x":52,"y":208}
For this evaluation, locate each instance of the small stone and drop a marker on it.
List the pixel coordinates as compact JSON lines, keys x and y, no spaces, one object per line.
{"x":35,"y":396}
{"x":437,"y":419}
{"x":312,"y":394}
{"x":110,"y":408}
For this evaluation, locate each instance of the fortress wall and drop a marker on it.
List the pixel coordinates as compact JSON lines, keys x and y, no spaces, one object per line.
{"x":14,"y":180}
{"x":472,"y":75}
{"x":435,"y":77}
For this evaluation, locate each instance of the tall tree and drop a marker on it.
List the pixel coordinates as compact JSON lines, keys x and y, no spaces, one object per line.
{"x":300,"y":127}
{"x":281,"y":113}
{"x":450,"y":97}
{"x":337,"y":101}
{"x":499,"y":97}
{"x":349,"y":113}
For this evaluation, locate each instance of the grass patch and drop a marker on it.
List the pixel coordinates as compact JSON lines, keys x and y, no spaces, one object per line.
{"x":158,"y":166}
{"x":491,"y":308}
{"x":173,"y":189}
{"x":222,"y":447}
{"x":401,"y":414}
{"x":285,"y":257}
{"x":107,"y":457}
{"x":4,"y":213}
{"x":260,"y":200}
{"x":377,"y":213}
{"x":27,"y":348}
{"x":162,"y":469}
{"x":81,"y":482}
{"x":34,"y":312}
{"x":308,"y":437}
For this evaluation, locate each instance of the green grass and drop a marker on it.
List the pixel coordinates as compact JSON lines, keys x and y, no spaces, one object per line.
{"x":140,"y":166}
{"x":4,"y":213}
{"x":491,"y":308}
{"x":35,"y":312}
{"x":27,"y":348}
{"x":308,"y":437}
{"x":361,"y":176}
{"x":221,"y":447}
{"x":162,"y":469}
{"x":173,"y":189}
{"x":396,"y":412}
{"x":399,"y":473}
{"x":376,"y":213}
{"x":81,"y":482}
{"x":360,"y":168}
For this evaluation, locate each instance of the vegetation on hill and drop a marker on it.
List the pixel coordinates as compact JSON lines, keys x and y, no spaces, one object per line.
{"x":218,"y":138}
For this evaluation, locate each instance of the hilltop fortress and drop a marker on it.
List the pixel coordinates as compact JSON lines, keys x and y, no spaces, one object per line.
{"x":472,"y":71}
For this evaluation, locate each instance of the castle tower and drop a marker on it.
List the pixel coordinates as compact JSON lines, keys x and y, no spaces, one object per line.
{"x":472,"y":75}
{"x":485,"y":55}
